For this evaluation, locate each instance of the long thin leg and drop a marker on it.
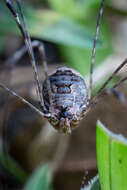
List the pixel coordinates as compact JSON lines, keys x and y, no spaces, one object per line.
{"x":111,"y":90}
{"x":42,"y":53}
{"x":120,"y":96}
{"x":18,"y":54}
{"x":112,"y":76}
{"x":27,"y":41}
{"x":24,"y":101}
{"x":120,"y":82}
{"x":94,"y":48}
{"x":12,"y":60}
{"x":101,"y":91}
{"x":116,"y":93}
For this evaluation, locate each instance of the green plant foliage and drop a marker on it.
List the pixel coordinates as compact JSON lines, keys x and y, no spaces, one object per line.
{"x":63,"y":31}
{"x":76,"y":10}
{"x":94,"y":184}
{"x":111,"y":159}
{"x":7,"y":24}
{"x":41,"y":179}
{"x":84,"y":12}
{"x":103,"y":157}
{"x":80,"y":58}
{"x":12,"y":167}
{"x":48,"y":25}
{"x":73,"y":36}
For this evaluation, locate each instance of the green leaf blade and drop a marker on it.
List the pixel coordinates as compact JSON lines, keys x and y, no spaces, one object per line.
{"x":48,"y":25}
{"x":12,"y":167}
{"x":41,"y":179}
{"x":94,"y":184}
{"x":119,"y":165}
{"x":112,"y":159}
{"x":61,"y":30}
{"x":103,"y":155}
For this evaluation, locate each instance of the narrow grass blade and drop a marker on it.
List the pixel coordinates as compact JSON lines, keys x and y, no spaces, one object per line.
{"x":41,"y":179}
{"x":12,"y":167}
{"x":103,"y":155}
{"x":112,"y":159}
{"x":119,"y":164}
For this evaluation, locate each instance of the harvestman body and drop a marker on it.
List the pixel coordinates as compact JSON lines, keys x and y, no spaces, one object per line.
{"x":64,"y":96}
{"x":69,"y":98}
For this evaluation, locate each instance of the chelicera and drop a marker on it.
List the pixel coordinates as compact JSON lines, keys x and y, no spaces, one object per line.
{"x":64,"y":96}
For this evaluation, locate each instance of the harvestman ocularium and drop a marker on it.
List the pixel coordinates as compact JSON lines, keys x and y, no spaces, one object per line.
{"x":64,"y":96}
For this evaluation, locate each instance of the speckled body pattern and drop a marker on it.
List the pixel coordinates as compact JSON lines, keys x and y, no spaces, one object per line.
{"x":69,"y":94}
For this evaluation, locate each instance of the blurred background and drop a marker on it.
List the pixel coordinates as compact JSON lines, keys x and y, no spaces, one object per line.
{"x":67,"y":30}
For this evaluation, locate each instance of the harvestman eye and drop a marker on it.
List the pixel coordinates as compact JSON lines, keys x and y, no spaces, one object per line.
{"x":64,"y":96}
{"x":54,"y":121}
{"x":75,"y":122}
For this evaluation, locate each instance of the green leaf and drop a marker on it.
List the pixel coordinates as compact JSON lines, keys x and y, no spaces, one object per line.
{"x":61,"y":30}
{"x":74,"y":9}
{"x":7,"y":22}
{"x":41,"y":179}
{"x":48,"y":25}
{"x":75,"y":40}
{"x":12,"y":167}
{"x":66,"y":32}
{"x":103,"y":156}
{"x":111,"y":159}
{"x":94,"y":184}
{"x":80,"y":58}
{"x":83,"y":12}
{"x":119,"y":164}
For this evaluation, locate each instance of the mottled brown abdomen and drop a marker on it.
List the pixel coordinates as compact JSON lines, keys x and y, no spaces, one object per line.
{"x":68,"y":88}
{"x":69,"y":93}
